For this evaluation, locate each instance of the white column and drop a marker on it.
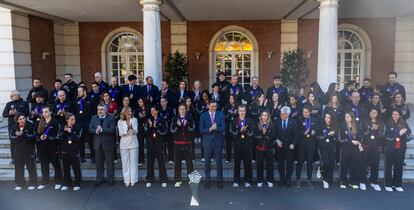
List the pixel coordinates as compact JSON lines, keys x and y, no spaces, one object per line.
{"x":152,"y":40}
{"x":327,"y":42}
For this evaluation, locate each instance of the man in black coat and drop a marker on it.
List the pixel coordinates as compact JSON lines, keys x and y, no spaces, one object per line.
{"x":278,"y":88}
{"x":286,"y":139}
{"x":70,"y":87}
{"x":235,"y":89}
{"x":84,"y":112}
{"x":37,"y":88}
{"x":149,"y":91}
{"x":131,"y":90}
{"x":16,"y":105}
{"x":54,"y":93}
{"x":167,"y":93}
{"x":252,"y":91}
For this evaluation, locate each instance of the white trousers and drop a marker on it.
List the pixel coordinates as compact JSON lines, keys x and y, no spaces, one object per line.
{"x":129,"y":159}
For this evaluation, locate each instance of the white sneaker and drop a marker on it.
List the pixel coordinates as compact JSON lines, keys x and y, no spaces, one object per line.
{"x":253,"y":161}
{"x":318,"y":173}
{"x":164,"y":185}
{"x":126,"y":184}
{"x":247,"y":185}
{"x":260,"y":184}
{"x":270,"y":184}
{"x":18,"y":188}
{"x":170,"y":162}
{"x":76,"y":188}
{"x":57,"y":186}
{"x":31,"y":188}
{"x":342,"y":186}
{"x":325,"y":184}
{"x":64,"y":188}
{"x":399,"y":189}
{"x":376,"y":187}
{"x":202,"y":160}
{"x":388,"y":189}
{"x":178,"y":184}
{"x":362,"y":186}
{"x":227,"y":162}
{"x":354,"y":186}
{"x":148,"y":184}
{"x":183,"y":161}
{"x":235,"y":185}
{"x":41,"y":187}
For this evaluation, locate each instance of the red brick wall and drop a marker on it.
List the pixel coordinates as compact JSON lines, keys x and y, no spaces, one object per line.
{"x":42,"y":40}
{"x":266,"y":32}
{"x":92,"y":34}
{"x":381,"y":32}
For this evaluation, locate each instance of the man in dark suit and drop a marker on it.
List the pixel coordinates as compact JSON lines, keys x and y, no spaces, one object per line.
{"x":218,"y":96}
{"x":103,"y":86}
{"x":149,"y":91}
{"x":37,"y":88}
{"x":70,"y":86}
{"x":285,"y":145}
{"x":102,"y":127}
{"x":278,"y":88}
{"x":212,"y":127}
{"x":131,"y":90}
{"x":114,"y":91}
{"x":252,"y":91}
{"x":166,"y":93}
{"x":235,"y":89}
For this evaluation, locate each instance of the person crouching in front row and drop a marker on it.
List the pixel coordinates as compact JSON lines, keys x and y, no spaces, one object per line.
{"x":23,"y":137}
{"x":182,"y":129}
{"x":156,"y":128}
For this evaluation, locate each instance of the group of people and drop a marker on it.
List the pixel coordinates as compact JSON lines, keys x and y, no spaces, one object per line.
{"x":351,"y":127}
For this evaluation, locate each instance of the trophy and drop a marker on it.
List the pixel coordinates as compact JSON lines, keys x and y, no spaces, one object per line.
{"x":194,"y":182}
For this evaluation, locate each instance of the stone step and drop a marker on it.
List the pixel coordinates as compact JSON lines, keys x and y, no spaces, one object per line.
{"x":90,"y":175}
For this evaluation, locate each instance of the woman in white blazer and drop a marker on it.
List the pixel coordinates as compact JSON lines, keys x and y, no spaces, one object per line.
{"x":128,"y":129}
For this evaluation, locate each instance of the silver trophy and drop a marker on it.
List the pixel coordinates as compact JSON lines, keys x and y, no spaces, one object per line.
{"x":194,"y":182}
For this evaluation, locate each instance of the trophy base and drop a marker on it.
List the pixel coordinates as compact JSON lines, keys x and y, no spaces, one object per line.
{"x":194,"y":202}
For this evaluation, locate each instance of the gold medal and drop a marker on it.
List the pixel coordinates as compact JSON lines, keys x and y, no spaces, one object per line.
{"x":80,"y":112}
{"x":357,"y":119}
{"x":21,"y":128}
{"x":308,"y":136}
{"x":38,"y":119}
{"x":242,"y":136}
{"x":327,"y":140}
{"x":154,"y":135}
{"x":113,"y":99}
{"x":397,"y":139}
{"x":70,"y":142}
{"x":372,"y":137}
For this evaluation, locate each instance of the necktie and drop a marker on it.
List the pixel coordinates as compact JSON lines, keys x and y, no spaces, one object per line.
{"x":284,"y":124}
{"x":212,"y":118}
{"x":101,"y":119}
{"x":130,"y":88}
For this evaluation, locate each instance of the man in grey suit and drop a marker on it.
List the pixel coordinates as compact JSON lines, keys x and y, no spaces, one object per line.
{"x":102,"y":127}
{"x":212,"y":127}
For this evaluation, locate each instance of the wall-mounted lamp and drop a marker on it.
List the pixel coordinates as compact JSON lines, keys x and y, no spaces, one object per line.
{"x":197,"y":55}
{"x":270,"y":54}
{"x":45,"y":55}
{"x":309,"y":53}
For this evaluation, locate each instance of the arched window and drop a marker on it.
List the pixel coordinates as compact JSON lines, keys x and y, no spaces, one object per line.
{"x":233,"y":54}
{"x":351,"y":56}
{"x":126,"y":57}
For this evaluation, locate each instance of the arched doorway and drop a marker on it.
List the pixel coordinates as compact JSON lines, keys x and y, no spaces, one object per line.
{"x":233,"y":50}
{"x":354,"y":54}
{"x":122,"y":55}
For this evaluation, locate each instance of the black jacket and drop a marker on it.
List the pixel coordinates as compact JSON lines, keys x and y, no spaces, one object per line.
{"x":268,"y":139}
{"x":182,"y":132}
{"x":239,"y":136}
{"x":20,"y":105}
{"x":24,"y":144}
{"x":287,"y":136}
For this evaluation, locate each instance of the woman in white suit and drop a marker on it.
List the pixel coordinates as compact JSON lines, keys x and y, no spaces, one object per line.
{"x":128,"y":129}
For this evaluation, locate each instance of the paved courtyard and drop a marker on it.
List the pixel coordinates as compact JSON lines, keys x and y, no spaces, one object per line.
{"x":157,"y":198}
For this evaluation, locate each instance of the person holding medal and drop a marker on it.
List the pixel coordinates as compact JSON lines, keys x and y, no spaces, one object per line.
{"x":327,"y":136}
{"x":23,"y":136}
{"x":156,"y":127}
{"x":69,"y":139}
{"x":128,"y":130}
{"x":265,"y":134}
{"x":351,"y":148}
{"x":372,"y":142}
{"x":47,"y":148}
{"x":358,"y":109}
{"x":315,"y":107}
{"x":252,"y":91}
{"x":114,"y":91}
{"x":391,"y":88}
{"x":61,"y":106}
{"x":241,"y":129}
{"x":182,"y":130}
{"x":141,"y":113}
{"x":167,"y":113}
{"x":235,"y":89}
{"x":36,"y":109}
{"x":397,"y":135}
{"x":307,"y":126}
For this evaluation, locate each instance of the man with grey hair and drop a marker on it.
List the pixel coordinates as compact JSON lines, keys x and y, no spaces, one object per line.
{"x":252,"y":91}
{"x":14,"y":106}
{"x":285,"y":145}
{"x":102,"y":127}
{"x":103,"y":86}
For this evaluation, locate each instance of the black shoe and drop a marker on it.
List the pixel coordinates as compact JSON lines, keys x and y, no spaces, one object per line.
{"x":111,"y":183}
{"x":281,"y":184}
{"x":207,"y":184}
{"x":288,"y":184}
{"x":83,"y":160}
{"x":98,"y":183}
{"x":220,"y":185}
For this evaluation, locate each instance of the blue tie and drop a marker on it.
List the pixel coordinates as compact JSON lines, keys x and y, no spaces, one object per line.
{"x":284,"y":124}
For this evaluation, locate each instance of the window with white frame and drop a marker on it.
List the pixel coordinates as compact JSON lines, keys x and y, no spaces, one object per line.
{"x":351,"y":56}
{"x":126,"y":57}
